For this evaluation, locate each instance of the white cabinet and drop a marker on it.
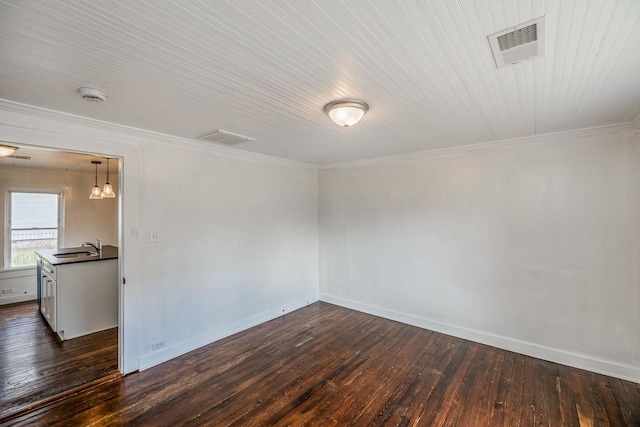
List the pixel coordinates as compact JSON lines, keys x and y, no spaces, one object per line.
{"x":48,"y":293}
{"x":80,"y":298}
{"x":87,"y":297}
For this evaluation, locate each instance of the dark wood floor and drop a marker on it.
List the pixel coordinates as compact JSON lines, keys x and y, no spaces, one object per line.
{"x":36,"y":365}
{"x":326,"y":365}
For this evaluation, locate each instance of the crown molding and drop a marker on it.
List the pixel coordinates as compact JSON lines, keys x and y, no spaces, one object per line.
{"x":631,"y":126}
{"x":546,"y":138}
{"x":74,"y":119}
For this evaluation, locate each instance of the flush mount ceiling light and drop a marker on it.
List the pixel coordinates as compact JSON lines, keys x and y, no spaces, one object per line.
{"x":107,"y":190}
{"x":96,"y":194}
{"x":346,"y":112}
{"x":7,"y":150}
{"x":91,"y":95}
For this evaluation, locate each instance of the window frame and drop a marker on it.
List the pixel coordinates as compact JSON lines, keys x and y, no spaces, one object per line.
{"x":7,"y":229}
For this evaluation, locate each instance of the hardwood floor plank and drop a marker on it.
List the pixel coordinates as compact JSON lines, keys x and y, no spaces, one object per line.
{"x":397,"y":396}
{"x":430,"y":377}
{"x":442,"y":398}
{"x":39,"y":365}
{"x":497,"y":413}
{"x":355,"y":387}
{"x":488,"y":394}
{"x":627,"y":396}
{"x":326,"y":365}
{"x":353,"y":354}
{"x":548,"y":388}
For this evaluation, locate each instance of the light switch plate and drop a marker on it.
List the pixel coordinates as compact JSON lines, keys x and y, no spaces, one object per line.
{"x":153,"y":237}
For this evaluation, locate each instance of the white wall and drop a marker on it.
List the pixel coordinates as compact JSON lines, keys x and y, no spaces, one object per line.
{"x":84,"y":219}
{"x":237,"y":233}
{"x":237,"y":244}
{"x":533,"y":247}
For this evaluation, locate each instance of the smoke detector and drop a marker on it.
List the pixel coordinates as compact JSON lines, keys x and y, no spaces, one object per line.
{"x":520,"y":43}
{"x":91,"y":95}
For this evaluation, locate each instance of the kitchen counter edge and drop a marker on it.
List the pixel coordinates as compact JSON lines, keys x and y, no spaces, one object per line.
{"x":108,"y":252}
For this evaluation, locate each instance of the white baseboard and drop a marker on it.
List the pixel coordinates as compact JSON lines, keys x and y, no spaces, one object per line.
{"x":159,"y":356}
{"x":600,"y":366}
{"x":17,"y":298}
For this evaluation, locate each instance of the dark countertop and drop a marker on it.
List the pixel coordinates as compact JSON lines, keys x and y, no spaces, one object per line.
{"x":108,"y":252}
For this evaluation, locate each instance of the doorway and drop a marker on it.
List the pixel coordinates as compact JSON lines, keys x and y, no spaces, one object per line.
{"x":37,"y":364}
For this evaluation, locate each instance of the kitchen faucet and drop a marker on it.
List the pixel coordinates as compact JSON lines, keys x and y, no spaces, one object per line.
{"x":97,"y":246}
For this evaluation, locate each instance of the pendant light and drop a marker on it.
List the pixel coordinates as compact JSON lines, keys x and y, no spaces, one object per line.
{"x":95,"y":191}
{"x":107,"y":190}
{"x":346,"y":112}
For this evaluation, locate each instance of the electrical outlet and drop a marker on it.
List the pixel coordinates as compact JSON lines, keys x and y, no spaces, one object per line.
{"x":158,"y":344}
{"x":9,"y":291}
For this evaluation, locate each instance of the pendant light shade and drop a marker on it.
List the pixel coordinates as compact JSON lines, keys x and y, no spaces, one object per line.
{"x":7,"y":150}
{"x":346,"y":112}
{"x":107,"y":190}
{"x":96,"y":194}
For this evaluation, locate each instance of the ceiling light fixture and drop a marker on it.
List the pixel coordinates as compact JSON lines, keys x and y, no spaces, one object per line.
{"x":107,"y":190}
{"x":91,"y":95}
{"x":346,"y":112}
{"x":7,"y":150}
{"x":96,"y":194}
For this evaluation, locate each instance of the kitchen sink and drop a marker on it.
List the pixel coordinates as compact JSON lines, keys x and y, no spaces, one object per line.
{"x":75,"y":255}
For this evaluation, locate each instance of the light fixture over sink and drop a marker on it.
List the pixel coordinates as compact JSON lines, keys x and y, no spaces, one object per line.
{"x":346,"y":112}
{"x":96,"y":194}
{"x":107,"y":190}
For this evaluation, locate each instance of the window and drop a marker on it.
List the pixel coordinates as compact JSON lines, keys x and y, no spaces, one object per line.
{"x":34,"y":224}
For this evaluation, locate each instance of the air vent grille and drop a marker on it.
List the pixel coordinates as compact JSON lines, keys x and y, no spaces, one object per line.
{"x":223,"y":137}
{"x":519,"y":43}
{"x":20,"y":157}
{"x":518,"y":37}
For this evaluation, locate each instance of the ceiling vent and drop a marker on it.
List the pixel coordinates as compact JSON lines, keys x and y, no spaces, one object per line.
{"x":19,"y":157}
{"x":519,"y":43}
{"x":223,"y":137}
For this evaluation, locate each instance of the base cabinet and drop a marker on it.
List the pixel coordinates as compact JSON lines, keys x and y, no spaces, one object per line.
{"x":47,"y":293}
{"x":48,"y":305}
{"x":81,"y":298}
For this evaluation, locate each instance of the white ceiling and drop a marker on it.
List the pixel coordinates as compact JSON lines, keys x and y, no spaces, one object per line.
{"x":265,"y":69}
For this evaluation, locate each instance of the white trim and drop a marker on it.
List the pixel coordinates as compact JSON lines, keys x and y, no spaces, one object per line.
{"x":628,"y":127}
{"x":631,"y":126}
{"x":17,"y":272}
{"x":31,"y":110}
{"x":18,"y":298}
{"x":589,"y":363}
{"x":156,"y":357}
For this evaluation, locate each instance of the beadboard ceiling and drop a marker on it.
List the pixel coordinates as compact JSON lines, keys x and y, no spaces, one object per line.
{"x":265,"y":69}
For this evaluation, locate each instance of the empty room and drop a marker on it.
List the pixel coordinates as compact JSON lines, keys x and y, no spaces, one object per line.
{"x":310,"y":213}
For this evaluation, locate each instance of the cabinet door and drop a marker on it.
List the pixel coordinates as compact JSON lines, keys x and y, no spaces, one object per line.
{"x":53,"y":312}
{"x":44,"y":290}
{"x":48,"y":307}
